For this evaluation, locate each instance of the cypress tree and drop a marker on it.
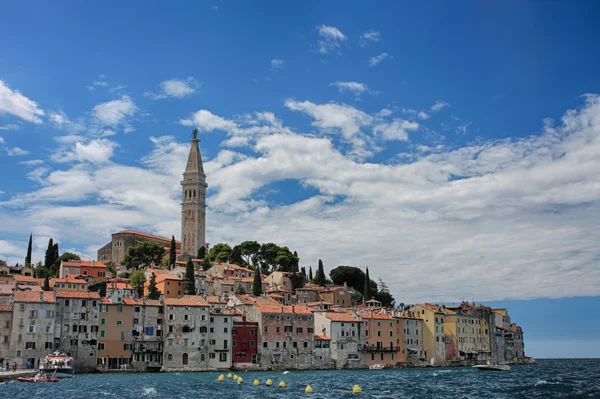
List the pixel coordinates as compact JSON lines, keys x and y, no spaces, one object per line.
{"x":46,"y":286}
{"x":310,"y":276}
{"x":153,"y":292}
{"x":190,"y":281}
{"x":367,"y":289}
{"x":320,"y":278}
{"x":49,"y":255}
{"x":55,"y":255}
{"x":257,"y":283}
{"x":172,"y":252}
{"x":201,"y":252}
{"x":28,"y":257}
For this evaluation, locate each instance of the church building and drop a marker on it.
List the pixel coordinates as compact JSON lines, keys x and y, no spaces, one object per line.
{"x":193,"y":217}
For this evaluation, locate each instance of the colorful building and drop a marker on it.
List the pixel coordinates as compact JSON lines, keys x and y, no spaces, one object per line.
{"x":344,"y":330}
{"x":245,"y":338}
{"x":383,"y":338}
{"x":91,"y":269}
{"x":115,"y":344}
{"x":433,"y":332}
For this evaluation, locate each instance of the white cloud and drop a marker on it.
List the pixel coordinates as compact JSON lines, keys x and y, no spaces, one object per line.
{"x":439,"y":105}
{"x":206,"y":121}
{"x":175,"y":88}
{"x":277,"y":64}
{"x":14,"y":103}
{"x":38,"y":174}
{"x":95,"y":151}
{"x":16,"y":151}
{"x":10,"y":126}
{"x":99,"y":83}
{"x":397,"y":130}
{"x":114,"y":112}
{"x":1,"y":140}
{"x":423,"y":115}
{"x":33,"y":162}
{"x":376,"y":60}
{"x":491,"y":220}
{"x":330,"y":39}
{"x":369,"y":36}
{"x":355,"y":88}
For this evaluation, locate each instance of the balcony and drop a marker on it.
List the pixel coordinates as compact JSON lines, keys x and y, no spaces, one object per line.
{"x":379,"y":348}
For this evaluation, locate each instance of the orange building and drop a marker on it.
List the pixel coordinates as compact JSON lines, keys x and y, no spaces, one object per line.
{"x":115,"y":342}
{"x":383,"y":339}
{"x":337,"y":295}
{"x":88,"y":268}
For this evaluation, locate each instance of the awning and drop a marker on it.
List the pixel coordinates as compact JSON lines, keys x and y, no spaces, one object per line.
{"x":413,"y":349}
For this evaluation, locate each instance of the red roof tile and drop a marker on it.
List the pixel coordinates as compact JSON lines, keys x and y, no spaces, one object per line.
{"x":341,"y":316}
{"x":85,"y":263}
{"x":186,"y":300}
{"x":31,"y":296}
{"x":77,"y":294}
{"x":322,"y":338}
{"x":139,"y":233}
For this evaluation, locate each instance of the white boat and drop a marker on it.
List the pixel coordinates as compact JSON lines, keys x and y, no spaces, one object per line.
{"x":377,"y":367}
{"x":492,"y":367}
{"x":57,"y":364}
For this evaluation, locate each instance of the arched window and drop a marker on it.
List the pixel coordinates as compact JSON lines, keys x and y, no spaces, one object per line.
{"x":194,"y":193}
{"x":203,"y":357}
{"x":104,"y":257}
{"x":170,"y":357}
{"x":184,"y":359}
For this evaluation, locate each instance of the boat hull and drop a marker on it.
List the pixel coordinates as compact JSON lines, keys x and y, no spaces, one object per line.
{"x":486,"y":367}
{"x":58,"y":373}
{"x":33,"y":379}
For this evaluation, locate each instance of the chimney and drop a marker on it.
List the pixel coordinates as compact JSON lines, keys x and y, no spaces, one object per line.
{"x":93,"y":263}
{"x":41,"y":296}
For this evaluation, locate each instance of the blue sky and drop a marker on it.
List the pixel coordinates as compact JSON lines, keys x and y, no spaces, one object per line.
{"x":452,"y":148}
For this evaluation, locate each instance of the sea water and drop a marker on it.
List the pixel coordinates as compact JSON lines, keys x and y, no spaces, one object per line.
{"x":546,"y":379}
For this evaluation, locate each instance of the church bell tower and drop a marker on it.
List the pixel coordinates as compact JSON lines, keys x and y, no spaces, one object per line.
{"x":193,"y":203}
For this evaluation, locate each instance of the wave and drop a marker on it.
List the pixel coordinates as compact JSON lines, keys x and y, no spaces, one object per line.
{"x":544,"y":382}
{"x":149,"y":391}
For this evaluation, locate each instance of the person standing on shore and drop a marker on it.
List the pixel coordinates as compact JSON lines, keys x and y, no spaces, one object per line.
{"x":14,"y":367}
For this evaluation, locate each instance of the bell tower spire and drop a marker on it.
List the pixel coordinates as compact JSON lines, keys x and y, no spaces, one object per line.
{"x":193,"y":202}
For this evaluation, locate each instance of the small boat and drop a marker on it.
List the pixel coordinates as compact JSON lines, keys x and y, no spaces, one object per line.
{"x":377,"y":367}
{"x":40,"y":377}
{"x":492,"y":367}
{"x":59,"y":364}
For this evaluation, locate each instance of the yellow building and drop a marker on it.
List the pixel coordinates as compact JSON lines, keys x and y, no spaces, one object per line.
{"x":469,"y":329}
{"x":433,"y":332}
{"x":383,"y":339}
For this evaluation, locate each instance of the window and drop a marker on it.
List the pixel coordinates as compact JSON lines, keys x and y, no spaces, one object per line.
{"x":265,"y":329}
{"x":186,"y":317}
{"x":306,"y":344}
{"x":120,"y":309}
{"x":185,"y":342}
{"x":119,"y":322}
{"x":47,"y":345}
{"x":223,"y":356}
{"x":31,"y":329}
{"x":101,"y":346}
{"x":169,"y":342}
{"x":251,"y":331}
{"x":299,"y":330}
{"x":211,"y":356}
{"x":265,"y":345}
{"x":94,"y":329}
{"x":30,"y":345}
{"x":171,"y":316}
{"x":22,"y":305}
{"x":277,"y":344}
{"x":19,"y":353}
{"x":251,"y":343}
{"x":48,"y":329}
{"x":102,"y":333}
{"x":32,"y":314}
{"x":170,"y":329}
{"x":74,"y":342}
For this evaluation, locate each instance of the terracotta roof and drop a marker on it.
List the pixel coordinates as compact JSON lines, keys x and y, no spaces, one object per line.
{"x":231,"y":266}
{"x":246,"y":299}
{"x":215,"y":299}
{"x":224,"y":312}
{"x":186,"y":300}
{"x":378,"y":316}
{"x":279,"y":290}
{"x":297,"y":309}
{"x":164,"y":277}
{"x":86,"y":263}
{"x":322,"y":338}
{"x":30,"y":296}
{"x":247,"y":279}
{"x":67,"y":280}
{"x":319,"y":303}
{"x":77,"y":294}
{"x":340,"y":316}
{"x":142,"y":302}
{"x":28,"y":279}
{"x":123,"y":285}
{"x":139,"y":233}
{"x":6,"y":289}
{"x":157,"y":271}
{"x":309,"y":289}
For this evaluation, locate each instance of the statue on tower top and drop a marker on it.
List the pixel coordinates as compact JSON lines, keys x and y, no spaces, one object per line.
{"x":195,"y":134}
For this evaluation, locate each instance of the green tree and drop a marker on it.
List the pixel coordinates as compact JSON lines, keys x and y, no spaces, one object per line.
{"x":49,"y":256}
{"x":267,"y":255}
{"x":153,"y":292}
{"x":206,"y":264}
{"x":353,"y":276}
{"x":143,"y":254}
{"x":284,"y":260}
{"x":190,"y":280}
{"x":303,"y":271}
{"x":236,"y":256}
{"x":367,"y":288}
{"x":310,"y":275}
{"x":28,"y":257}
{"x":250,"y":250}
{"x":111,"y":269}
{"x":295,"y":263}
{"x":257,"y":283}
{"x":297,"y":281}
{"x":219,"y":253}
{"x":201,"y":252}
{"x":172,"y":252}
{"x":46,"y":286}
{"x":67,"y":256}
{"x":99,"y":287}
{"x":320,"y":278}
{"x":240,"y":290}
{"x":137,"y":281}
{"x":384,"y":296}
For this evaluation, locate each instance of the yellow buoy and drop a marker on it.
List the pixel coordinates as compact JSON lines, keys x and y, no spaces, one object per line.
{"x":256,"y":382}
{"x":308,"y":389}
{"x":356,"y":389}
{"x":269,"y":382}
{"x":229,"y":375}
{"x":281,"y":384}
{"x":240,"y":380}
{"x":235,"y":377}
{"x":221,"y":378}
